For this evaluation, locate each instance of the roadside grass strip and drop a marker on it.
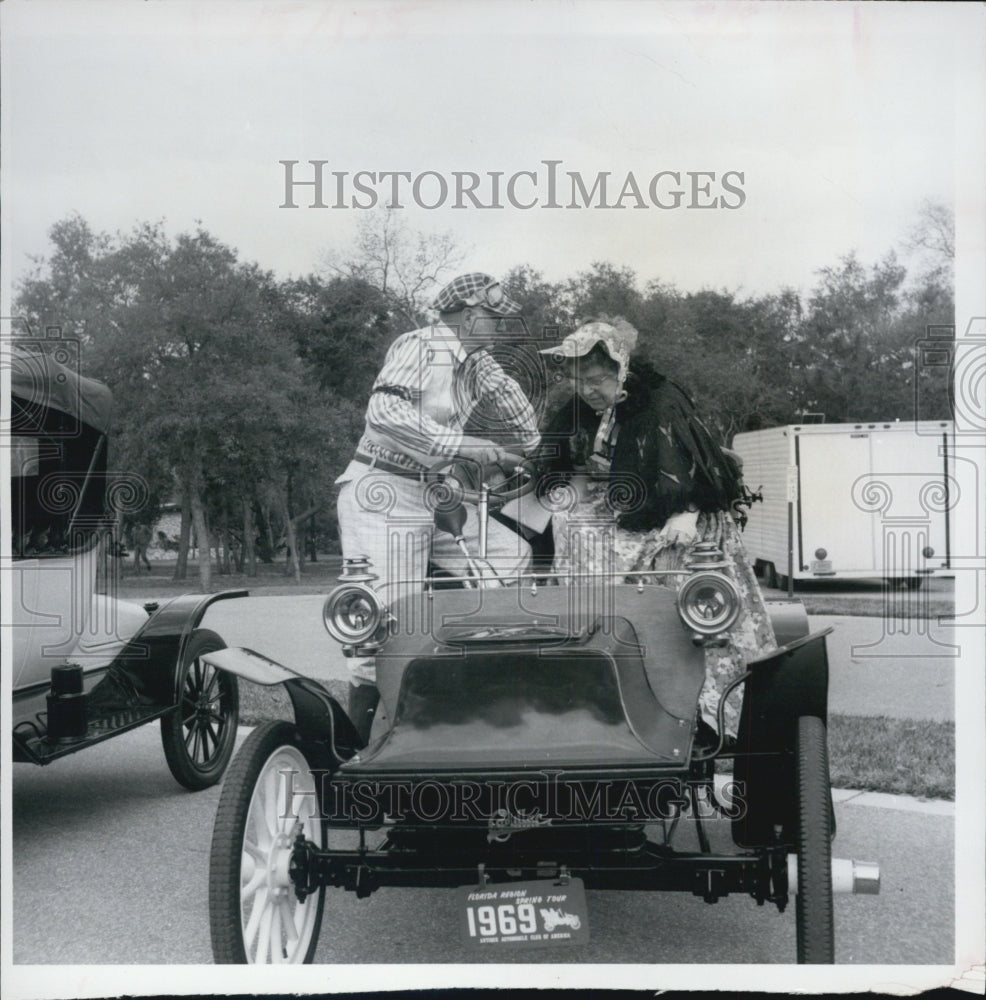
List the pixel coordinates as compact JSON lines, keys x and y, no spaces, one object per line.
{"x":898,"y":756}
{"x":892,"y":605}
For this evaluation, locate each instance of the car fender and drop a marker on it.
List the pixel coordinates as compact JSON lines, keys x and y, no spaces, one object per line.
{"x":322,"y":722}
{"x":783,"y":686}
{"x":148,"y":660}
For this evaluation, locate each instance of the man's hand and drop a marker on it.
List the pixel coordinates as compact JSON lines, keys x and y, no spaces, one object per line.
{"x":486,"y":452}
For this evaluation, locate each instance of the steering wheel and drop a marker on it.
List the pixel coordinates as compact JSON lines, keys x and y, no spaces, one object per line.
{"x":524,"y":478}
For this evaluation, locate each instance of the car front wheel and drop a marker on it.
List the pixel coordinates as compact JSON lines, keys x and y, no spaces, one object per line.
{"x":198,"y":736}
{"x":268,"y":807}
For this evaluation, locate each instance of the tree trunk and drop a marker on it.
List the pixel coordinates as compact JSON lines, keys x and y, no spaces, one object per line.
{"x":269,"y":530}
{"x":202,"y":535}
{"x":297,"y":527}
{"x":184,"y":538}
{"x":293,"y":564}
{"x":225,"y":567}
{"x":249,"y":550}
{"x":238,"y":556}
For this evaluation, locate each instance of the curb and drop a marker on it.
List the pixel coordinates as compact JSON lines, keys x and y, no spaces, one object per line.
{"x":883,"y":800}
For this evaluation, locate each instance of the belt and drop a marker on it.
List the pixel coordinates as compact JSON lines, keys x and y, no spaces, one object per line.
{"x":396,"y":470}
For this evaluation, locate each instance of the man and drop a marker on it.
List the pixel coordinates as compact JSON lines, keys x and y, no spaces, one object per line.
{"x":433,"y":379}
{"x":141,"y":540}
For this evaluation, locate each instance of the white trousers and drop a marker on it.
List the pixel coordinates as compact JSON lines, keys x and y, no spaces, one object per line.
{"x":387,"y":519}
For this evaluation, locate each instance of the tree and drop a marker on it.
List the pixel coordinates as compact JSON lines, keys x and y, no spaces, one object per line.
{"x":929,"y":304}
{"x":933,"y":233}
{"x":203,"y":373}
{"x":75,"y":283}
{"x":731,"y":356}
{"x":208,"y":385}
{"x":603,"y":289}
{"x":855,"y":351}
{"x":403,"y":264}
{"x":542,"y":303}
{"x":342,"y":328}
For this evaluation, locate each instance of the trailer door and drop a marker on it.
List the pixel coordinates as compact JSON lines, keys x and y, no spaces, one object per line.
{"x":913,"y":467}
{"x":829,"y":464}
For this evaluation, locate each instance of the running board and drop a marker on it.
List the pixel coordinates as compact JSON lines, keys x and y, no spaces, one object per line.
{"x":39,"y":749}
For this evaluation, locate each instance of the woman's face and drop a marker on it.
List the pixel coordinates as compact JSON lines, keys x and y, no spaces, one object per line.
{"x":596,"y":383}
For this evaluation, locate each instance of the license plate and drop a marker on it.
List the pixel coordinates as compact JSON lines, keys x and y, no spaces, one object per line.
{"x":540,"y":912}
{"x":822,"y":567}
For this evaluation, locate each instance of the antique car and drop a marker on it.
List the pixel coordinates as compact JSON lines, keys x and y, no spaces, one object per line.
{"x":541,"y":739}
{"x":85,"y":666}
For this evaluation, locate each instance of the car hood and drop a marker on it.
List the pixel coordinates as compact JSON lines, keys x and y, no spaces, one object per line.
{"x":509,"y":676}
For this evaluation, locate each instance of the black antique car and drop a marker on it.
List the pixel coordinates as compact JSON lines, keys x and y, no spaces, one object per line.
{"x":542,"y":739}
{"x":85,"y":666}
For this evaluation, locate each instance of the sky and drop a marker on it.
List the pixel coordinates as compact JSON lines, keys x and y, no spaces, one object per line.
{"x":834,"y":122}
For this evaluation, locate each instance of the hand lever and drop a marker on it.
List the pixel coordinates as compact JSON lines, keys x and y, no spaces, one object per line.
{"x":452,"y":521}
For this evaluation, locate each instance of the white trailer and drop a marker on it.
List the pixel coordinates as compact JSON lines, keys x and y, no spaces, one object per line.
{"x":850,"y":500}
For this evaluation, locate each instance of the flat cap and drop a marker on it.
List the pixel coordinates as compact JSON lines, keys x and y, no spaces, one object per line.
{"x":476,"y":289}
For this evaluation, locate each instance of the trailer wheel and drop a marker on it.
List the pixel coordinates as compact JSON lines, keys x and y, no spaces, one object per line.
{"x":813,"y":903}
{"x":255,"y":914}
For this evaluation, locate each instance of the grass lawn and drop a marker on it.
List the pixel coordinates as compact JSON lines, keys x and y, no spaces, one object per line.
{"x":900,"y":756}
{"x":271,"y":579}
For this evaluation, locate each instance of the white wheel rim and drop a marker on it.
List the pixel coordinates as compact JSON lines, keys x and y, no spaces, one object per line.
{"x":276,"y":926}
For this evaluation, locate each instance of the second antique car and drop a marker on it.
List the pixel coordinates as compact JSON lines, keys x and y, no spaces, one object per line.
{"x":86,"y":666}
{"x":542,"y":740}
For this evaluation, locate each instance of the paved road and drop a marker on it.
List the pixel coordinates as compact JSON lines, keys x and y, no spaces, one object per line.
{"x":876,"y":668}
{"x":110,"y":865}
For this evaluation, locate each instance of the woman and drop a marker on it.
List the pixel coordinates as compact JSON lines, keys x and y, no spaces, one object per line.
{"x":655,"y":481}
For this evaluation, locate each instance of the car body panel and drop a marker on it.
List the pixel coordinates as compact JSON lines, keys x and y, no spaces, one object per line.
{"x":52,"y":611}
{"x":585,"y":702}
{"x":673,"y":665}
